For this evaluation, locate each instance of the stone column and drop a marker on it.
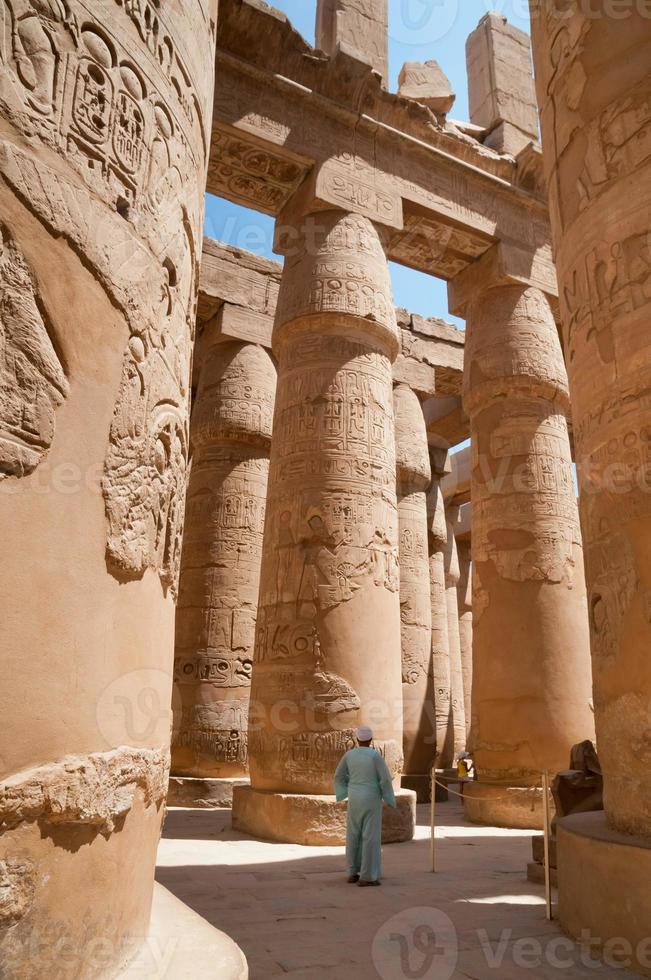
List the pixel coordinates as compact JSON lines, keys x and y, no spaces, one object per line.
{"x":327,"y":654}
{"x":531,"y":671}
{"x":438,"y":538}
{"x":464,"y":598}
{"x":220,"y":572}
{"x":500,"y":84}
{"x":452,"y":576}
{"x":594,"y":88}
{"x":102,"y":174}
{"x":359,"y":29}
{"x":413,"y":478}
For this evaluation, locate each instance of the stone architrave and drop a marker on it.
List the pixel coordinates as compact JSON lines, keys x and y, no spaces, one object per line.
{"x":220,"y":569}
{"x":438,"y":539}
{"x":452,"y":577}
{"x":531,"y":672}
{"x":500,"y":84}
{"x":464,"y":597}
{"x":359,"y":28}
{"x":414,"y":475}
{"x":105,"y":109}
{"x":327,"y":654}
{"x":594,"y":88}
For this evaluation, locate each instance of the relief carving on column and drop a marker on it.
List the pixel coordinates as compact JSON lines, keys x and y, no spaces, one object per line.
{"x":32,"y":380}
{"x":133,"y":127}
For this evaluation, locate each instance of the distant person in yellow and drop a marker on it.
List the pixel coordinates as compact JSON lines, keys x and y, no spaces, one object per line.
{"x":363,"y":778}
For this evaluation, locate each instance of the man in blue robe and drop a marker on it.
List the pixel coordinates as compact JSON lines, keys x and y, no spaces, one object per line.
{"x":362,"y":776}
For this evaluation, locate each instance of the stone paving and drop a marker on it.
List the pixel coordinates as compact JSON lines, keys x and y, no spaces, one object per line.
{"x":292,"y":912}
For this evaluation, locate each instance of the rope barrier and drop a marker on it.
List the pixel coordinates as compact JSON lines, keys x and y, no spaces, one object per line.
{"x":499,"y":799}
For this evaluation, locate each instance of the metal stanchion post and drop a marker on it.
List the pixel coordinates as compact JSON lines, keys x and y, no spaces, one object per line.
{"x":548,"y":876}
{"x":433,"y":821}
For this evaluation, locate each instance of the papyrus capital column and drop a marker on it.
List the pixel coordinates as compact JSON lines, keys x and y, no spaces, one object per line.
{"x":531,"y":672}
{"x":414,"y":475}
{"x":105,"y":107}
{"x":594,"y":90}
{"x":327,"y":654}
{"x":438,"y":539}
{"x":220,"y":570}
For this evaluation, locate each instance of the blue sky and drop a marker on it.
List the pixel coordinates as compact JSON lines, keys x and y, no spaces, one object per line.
{"x":419,"y":30}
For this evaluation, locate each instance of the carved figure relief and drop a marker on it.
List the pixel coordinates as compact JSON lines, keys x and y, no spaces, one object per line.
{"x":32,"y":381}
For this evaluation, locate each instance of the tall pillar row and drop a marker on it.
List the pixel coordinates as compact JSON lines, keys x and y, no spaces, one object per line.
{"x":594,"y":91}
{"x":438,"y":540}
{"x":102,"y":175}
{"x":328,"y":631}
{"x":413,"y":472}
{"x":220,"y":572}
{"x":531,"y":695}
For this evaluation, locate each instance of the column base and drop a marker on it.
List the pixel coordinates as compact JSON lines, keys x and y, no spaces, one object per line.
{"x":180,"y":937}
{"x":294,"y":818}
{"x":603,"y":889}
{"x":203,"y":793}
{"x":512,"y":807}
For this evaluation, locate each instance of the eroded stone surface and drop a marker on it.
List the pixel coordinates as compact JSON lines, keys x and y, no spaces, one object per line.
{"x":97,"y":789}
{"x":426,"y":83}
{"x":358,"y":27}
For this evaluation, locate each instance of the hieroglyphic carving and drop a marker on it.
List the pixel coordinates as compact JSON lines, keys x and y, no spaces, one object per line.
{"x":222,"y":549}
{"x":252,"y":176}
{"x":32,"y":381}
{"x":330,"y":561}
{"x":133,"y":127}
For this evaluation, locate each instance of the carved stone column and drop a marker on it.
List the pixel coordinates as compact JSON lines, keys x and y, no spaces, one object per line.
{"x":220,"y":572}
{"x":531,"y":671}
{"x":594,"y":88}
{"x":452,"y":576}
{"x":464,"y":597}
{"x":105,"y":106}
{"x":413,"y":478}
{"x":438,"y":539}
{"x":327,"y":654}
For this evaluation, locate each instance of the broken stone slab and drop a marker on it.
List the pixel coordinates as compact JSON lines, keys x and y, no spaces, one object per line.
{"x":428,"y":84}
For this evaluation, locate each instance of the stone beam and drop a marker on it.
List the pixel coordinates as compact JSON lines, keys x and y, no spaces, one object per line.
{"x":284,"y":111}
{"x":446,"y":421}
{"x":456,"y":485}
{"x":462,"y":524}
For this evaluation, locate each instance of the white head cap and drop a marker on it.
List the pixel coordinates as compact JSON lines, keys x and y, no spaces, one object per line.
{"x":364,"y":733}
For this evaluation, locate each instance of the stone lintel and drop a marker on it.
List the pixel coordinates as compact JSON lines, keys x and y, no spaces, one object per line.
{"x":238,"y":323}
{"x":236,"y":276}
{"x":420,"y":377}
{"x":333,"y":185}
{"x":503,"y":265}
{"x":446,"y":421}
{"x":456,"y":486}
